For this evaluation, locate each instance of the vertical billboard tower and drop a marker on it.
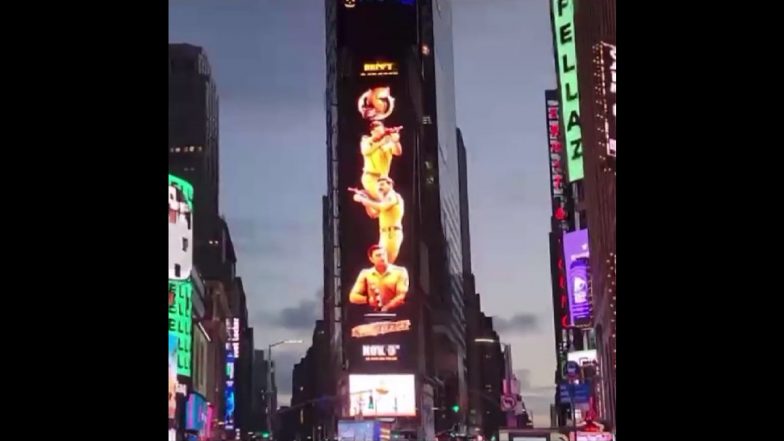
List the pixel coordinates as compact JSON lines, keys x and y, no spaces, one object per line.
{"x":180,"y":289}
{"x":566,"y":59}
{"x":377,"y":147}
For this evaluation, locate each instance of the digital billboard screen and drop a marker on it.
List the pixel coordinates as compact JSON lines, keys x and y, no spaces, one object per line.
{"x":196,"y":413}
{"x":180,"y":228}
{"x":566,"y":55}
{"x":390,"y":395}
{"x":229,"y":391}
{"x":180,"y":322}
{"x":606,"y":77}
{"x":172,"y":375}
{"x":376,"y":173}
{"x":557,"y":161}
{"x":350,"y":430}
{"x":578,"y":277}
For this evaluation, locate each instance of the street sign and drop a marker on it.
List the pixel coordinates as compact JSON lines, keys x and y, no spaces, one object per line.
{"x":572,"y":369}
{"x":581,"y":392}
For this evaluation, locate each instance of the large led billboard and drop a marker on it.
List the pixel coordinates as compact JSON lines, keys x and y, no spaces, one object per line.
{"x":578,"y":277}
{"x":351,"y":430}
{"x":557,"y":161}
{"x":566,"y":60}
{"x":180,"y":228}
{"x":390,"y":395}
{"x":376,"y":169}
{"x":605,"y":77}
{"x":180,"y":322}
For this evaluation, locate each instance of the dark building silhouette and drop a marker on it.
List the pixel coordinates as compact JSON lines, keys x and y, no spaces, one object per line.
{"x":312,"y":399}
{"x":491,"y":376}
{"x":193,"y":143}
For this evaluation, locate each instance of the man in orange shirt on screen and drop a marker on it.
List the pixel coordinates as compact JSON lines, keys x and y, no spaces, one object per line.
{"x":383,"y":287}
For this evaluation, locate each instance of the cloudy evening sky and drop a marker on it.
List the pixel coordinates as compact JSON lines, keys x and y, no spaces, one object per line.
{"x":268,"y":61}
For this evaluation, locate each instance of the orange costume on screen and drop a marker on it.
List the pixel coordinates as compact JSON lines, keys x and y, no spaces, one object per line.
{"x":383,"y":287}
{"x":378,"y":148}
{"x":389,"y":209}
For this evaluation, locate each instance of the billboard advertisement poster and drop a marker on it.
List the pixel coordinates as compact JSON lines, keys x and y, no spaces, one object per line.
{"x":384,"y":395}
{"x":172,"y":375}
{"x":578,"y":277}
{"x":566,"y":54}
{"x":180,"y":228}
{"x":557,"y":160}
{"x":196,"y":413}
{"x":229,"y":392}
{"x":352,"y":430}
{"x":377,"y":169}
{"x":595,"y":436}
{"x":605,"y":77}
{"x":180,"y":322}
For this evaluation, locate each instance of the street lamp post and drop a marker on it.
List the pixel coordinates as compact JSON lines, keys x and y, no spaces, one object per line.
{"x":269,"y":379}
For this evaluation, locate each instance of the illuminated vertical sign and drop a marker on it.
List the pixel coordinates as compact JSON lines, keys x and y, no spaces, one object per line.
{"x":578,"y":277}
{"x":180,"y":322}
{"x":557,"y":157}
{"x":229,"y":392}
{"x":172,"y":375}
{"x":605,"y":76}
{"x":560,"y":299}
{"x":566,"y":53}
{"x":233,"y":330}
{"x":180,"y":228}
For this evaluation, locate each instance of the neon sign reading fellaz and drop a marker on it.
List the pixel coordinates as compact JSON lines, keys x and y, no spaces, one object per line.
{"x":563,"y":13}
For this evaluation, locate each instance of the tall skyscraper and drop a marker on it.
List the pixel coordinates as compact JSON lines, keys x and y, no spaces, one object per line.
{"x":193,"y":143}
{"x":584,"y":43}
{"x":391,"y":113}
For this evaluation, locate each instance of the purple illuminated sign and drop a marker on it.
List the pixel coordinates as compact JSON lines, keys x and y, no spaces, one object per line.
{"x":578,"y":277}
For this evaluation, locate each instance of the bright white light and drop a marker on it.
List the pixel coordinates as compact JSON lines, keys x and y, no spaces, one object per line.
{"x":382,"y":395}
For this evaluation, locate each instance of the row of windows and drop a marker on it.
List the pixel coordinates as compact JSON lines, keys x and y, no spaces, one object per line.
{"x":185,"y":149}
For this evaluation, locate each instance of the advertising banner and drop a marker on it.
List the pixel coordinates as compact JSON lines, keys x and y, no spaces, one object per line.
{"x":180,"y":228}
{"x":229,"y":392}
{"x":172,"y":375}
{"x":181,"y":323}
{"x":557,"y":157}
{"x":351,"y":430}
{"x":605,"y":75}
{"x":578,"y":277}
{"x":566,"y":55}
{"x":196,"y":413}
{"x":382,"y":395}
{"x":376,"y":167}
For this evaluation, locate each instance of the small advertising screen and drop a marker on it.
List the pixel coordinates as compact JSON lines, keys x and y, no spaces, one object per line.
{"x":180,"y":228}
{"x":391,"y":395}
{"x":578,"y":277}
{"x":172,"y":375}
{"x":229,"y":392}
{"x":350,"y":430}
{"x":196,"y":413}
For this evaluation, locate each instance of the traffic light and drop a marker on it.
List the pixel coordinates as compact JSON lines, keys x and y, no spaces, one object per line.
{"x":265,"y":434}
{"x":455,"y":408}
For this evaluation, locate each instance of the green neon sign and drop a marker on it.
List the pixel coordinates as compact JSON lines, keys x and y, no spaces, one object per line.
{"x":186,"y":187}
{"x":565,"y":49}
{"x":180,"y":323}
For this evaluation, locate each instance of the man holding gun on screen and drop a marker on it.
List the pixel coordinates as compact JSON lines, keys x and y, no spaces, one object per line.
{"x":378,"y":148}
